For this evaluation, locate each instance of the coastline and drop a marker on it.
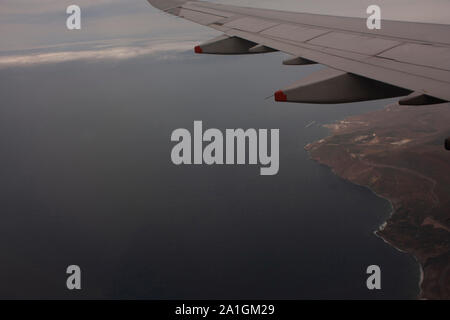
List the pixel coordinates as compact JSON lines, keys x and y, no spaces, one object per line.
{"x":381,"y":226}
{"x":398,"y":159}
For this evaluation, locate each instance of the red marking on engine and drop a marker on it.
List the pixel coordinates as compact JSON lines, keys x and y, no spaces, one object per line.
{"x":280,"y":96}
{"x":198,"y":49}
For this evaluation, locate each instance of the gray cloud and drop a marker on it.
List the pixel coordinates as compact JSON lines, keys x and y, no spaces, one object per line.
{"x":23,"y":7}
{"x":107,"y":51}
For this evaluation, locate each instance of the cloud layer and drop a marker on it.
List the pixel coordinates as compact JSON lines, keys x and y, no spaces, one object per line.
{"x":106,"y":51}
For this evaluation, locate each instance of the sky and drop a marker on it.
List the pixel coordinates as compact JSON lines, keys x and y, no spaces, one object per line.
{"x":35,"y":31}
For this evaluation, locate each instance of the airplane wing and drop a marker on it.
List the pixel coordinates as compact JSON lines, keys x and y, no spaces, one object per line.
{"x":400,"y":59}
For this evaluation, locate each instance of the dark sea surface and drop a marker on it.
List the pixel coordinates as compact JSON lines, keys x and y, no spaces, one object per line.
{"x":86,"y":178}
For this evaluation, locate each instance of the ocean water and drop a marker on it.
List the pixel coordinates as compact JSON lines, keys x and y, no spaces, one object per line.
{"x":87,"y":179}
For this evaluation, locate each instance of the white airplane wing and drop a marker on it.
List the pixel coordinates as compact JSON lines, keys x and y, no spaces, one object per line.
{"x":400,"y":59}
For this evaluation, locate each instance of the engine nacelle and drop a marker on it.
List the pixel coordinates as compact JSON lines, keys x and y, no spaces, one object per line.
{"x":419,"y":99}
{"x":334,"y":86}
{"x":298,"y":61}
{"x":226,"y":45}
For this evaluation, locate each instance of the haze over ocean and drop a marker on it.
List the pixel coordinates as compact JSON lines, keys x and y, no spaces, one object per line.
{"x":87,"y":178}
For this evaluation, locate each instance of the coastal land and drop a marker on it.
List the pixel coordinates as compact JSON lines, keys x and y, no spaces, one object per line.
{"x":398,"y":153}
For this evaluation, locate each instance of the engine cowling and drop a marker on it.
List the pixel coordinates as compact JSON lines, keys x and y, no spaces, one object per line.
{"x":231,"y":45}
{"x":333,"y":86}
